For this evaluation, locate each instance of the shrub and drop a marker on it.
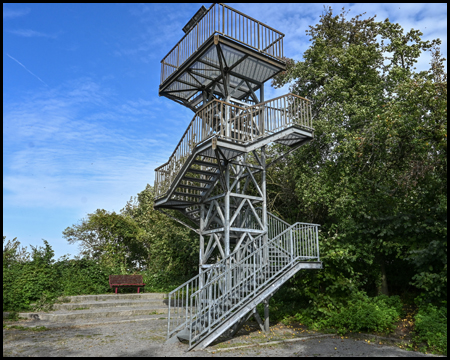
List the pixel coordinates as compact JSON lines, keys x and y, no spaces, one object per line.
{"x":26,"y":282}
{"x":366,"y":314}
{"x":431,"y":329}
{"x":83,"y":276}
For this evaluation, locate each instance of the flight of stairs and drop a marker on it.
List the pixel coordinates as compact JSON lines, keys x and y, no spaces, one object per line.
{"x":86,"y":309}
{"x":233,"y":290}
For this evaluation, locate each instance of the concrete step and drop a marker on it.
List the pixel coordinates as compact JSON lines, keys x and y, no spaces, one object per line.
{"x":110,"y":303}
{"x":122,"y":311}
{"x":90,"y":307}
{"x":90,"y":322}
{"x":103,"y":297}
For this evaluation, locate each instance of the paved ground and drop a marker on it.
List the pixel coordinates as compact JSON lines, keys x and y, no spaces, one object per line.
{"x":146,"y":337}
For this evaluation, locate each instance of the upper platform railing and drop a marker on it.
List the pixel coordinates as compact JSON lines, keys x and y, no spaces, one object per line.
{"x":233,"y":123}
{"x":222,"y":19}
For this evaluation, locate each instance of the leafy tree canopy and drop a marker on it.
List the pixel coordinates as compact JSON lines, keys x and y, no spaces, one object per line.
{"x":375,"y":175}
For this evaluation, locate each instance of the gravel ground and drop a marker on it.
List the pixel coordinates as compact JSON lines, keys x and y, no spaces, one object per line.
{"x":147,"y":336}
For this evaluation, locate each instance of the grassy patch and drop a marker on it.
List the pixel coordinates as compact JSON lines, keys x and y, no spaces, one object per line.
{"x":154,"y":312}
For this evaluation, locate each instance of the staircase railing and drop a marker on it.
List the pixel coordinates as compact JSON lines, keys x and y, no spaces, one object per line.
{"x":178,"y":304}
{"x":233,"y":123}
{"x":242,"y":281}
{"x":206,"y":123}
{"x":222,"y":19}
{"x":230,"y":285}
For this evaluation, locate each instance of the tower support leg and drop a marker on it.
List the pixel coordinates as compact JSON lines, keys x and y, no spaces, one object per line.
{"x":266,"y":315}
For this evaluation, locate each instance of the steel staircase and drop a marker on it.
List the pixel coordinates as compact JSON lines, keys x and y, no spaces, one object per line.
{"x":201,"y":313}
{"x":216,"y":176}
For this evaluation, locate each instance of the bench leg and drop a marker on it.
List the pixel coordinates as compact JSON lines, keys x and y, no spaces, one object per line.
{"x":116,"y":289}
{"x":138,"y":290}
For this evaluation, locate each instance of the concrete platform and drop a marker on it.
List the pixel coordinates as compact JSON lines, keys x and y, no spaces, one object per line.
{"x":110,"y":303}
{"x":107,"y":297}
{"x":87,"y":308}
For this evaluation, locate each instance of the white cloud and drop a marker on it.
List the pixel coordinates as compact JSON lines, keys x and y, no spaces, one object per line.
{"x":57,"y":156}
{"x":31,"y":33}
{"x":10,"y":13}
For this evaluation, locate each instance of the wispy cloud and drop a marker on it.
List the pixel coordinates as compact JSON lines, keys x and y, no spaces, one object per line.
{"x":17,"y":61}
{"x":77,"y":147}
{"x":10,"y":13}
{"x":31,"y":33}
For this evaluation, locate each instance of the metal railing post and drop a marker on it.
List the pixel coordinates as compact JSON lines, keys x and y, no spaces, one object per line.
{"x":168,"y":318}
{"x":258,"y":37}
{"x":291,"y":245}
{"x":317,"y":242}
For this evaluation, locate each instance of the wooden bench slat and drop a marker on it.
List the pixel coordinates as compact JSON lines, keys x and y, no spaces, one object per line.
{"x":125,"y":280}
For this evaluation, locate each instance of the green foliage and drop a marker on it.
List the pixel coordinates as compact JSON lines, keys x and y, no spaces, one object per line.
{"x":431,"y":329}
{"x":83,"y":276}
{"x":138,"y":239}
{"x":113,"y":239}
{"x":366,"y":314}
{"x":25,"y":282}
{"x":172,"y":248}
{"x":375,"y":175}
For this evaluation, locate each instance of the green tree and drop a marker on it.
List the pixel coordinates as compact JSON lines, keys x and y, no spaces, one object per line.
{"x":172,"y":248}
{"x":139,"y":238}
{"x":375,"y":175}
{"x":114,"y":239}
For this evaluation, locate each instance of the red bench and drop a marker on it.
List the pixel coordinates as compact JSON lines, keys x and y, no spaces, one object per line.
{"x":125,"y":281}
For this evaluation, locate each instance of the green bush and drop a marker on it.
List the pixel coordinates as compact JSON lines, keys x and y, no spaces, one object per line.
{"x":431,"y":329}
{"x":83,"y":277}
{"x":26,"y":282}
{"x":366,"y":314}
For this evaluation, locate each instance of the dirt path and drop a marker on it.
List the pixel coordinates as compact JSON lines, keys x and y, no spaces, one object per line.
{"x":147,"y":337}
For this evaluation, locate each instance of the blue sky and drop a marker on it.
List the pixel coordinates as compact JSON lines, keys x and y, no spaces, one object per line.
{"x":83,"y":126}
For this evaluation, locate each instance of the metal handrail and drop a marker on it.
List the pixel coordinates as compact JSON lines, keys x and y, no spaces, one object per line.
{"x":224,"y":20}
{"x":229,"y":290}
{"x":296,"y":242}
{"x":206,"y":123}
{"x":234,"y":123}
{"x":178,"y":319}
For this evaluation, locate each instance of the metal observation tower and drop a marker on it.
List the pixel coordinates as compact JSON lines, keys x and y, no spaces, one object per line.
{"x":216,"y":176}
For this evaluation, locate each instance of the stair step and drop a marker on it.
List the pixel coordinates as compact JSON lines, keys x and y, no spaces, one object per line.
{"x":124,"y":311}
{"x":188,"y":178}
{"x":109,"y":304}
{"x":205,"y":163}
{"x":108,"y":297}
{"x":201,"y":172}
{"x":186,"y":194}
{"x":87,"y":308}
{"x":191,"y":187}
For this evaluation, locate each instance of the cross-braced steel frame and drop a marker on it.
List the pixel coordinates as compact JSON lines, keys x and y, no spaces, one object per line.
{"x":239,"y":212}
{"x":236,"y":216}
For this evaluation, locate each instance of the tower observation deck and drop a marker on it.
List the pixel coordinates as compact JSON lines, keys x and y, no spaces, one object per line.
{"x":216,"y":176}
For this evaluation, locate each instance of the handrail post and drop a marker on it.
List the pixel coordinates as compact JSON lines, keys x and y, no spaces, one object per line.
{"x":187,"y":300}
{"x":291,"y":245}
{"x":317,"y":242}
{"x":190,"y":321}
{"x":168,"y":319}
{"x":258,"y":36}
